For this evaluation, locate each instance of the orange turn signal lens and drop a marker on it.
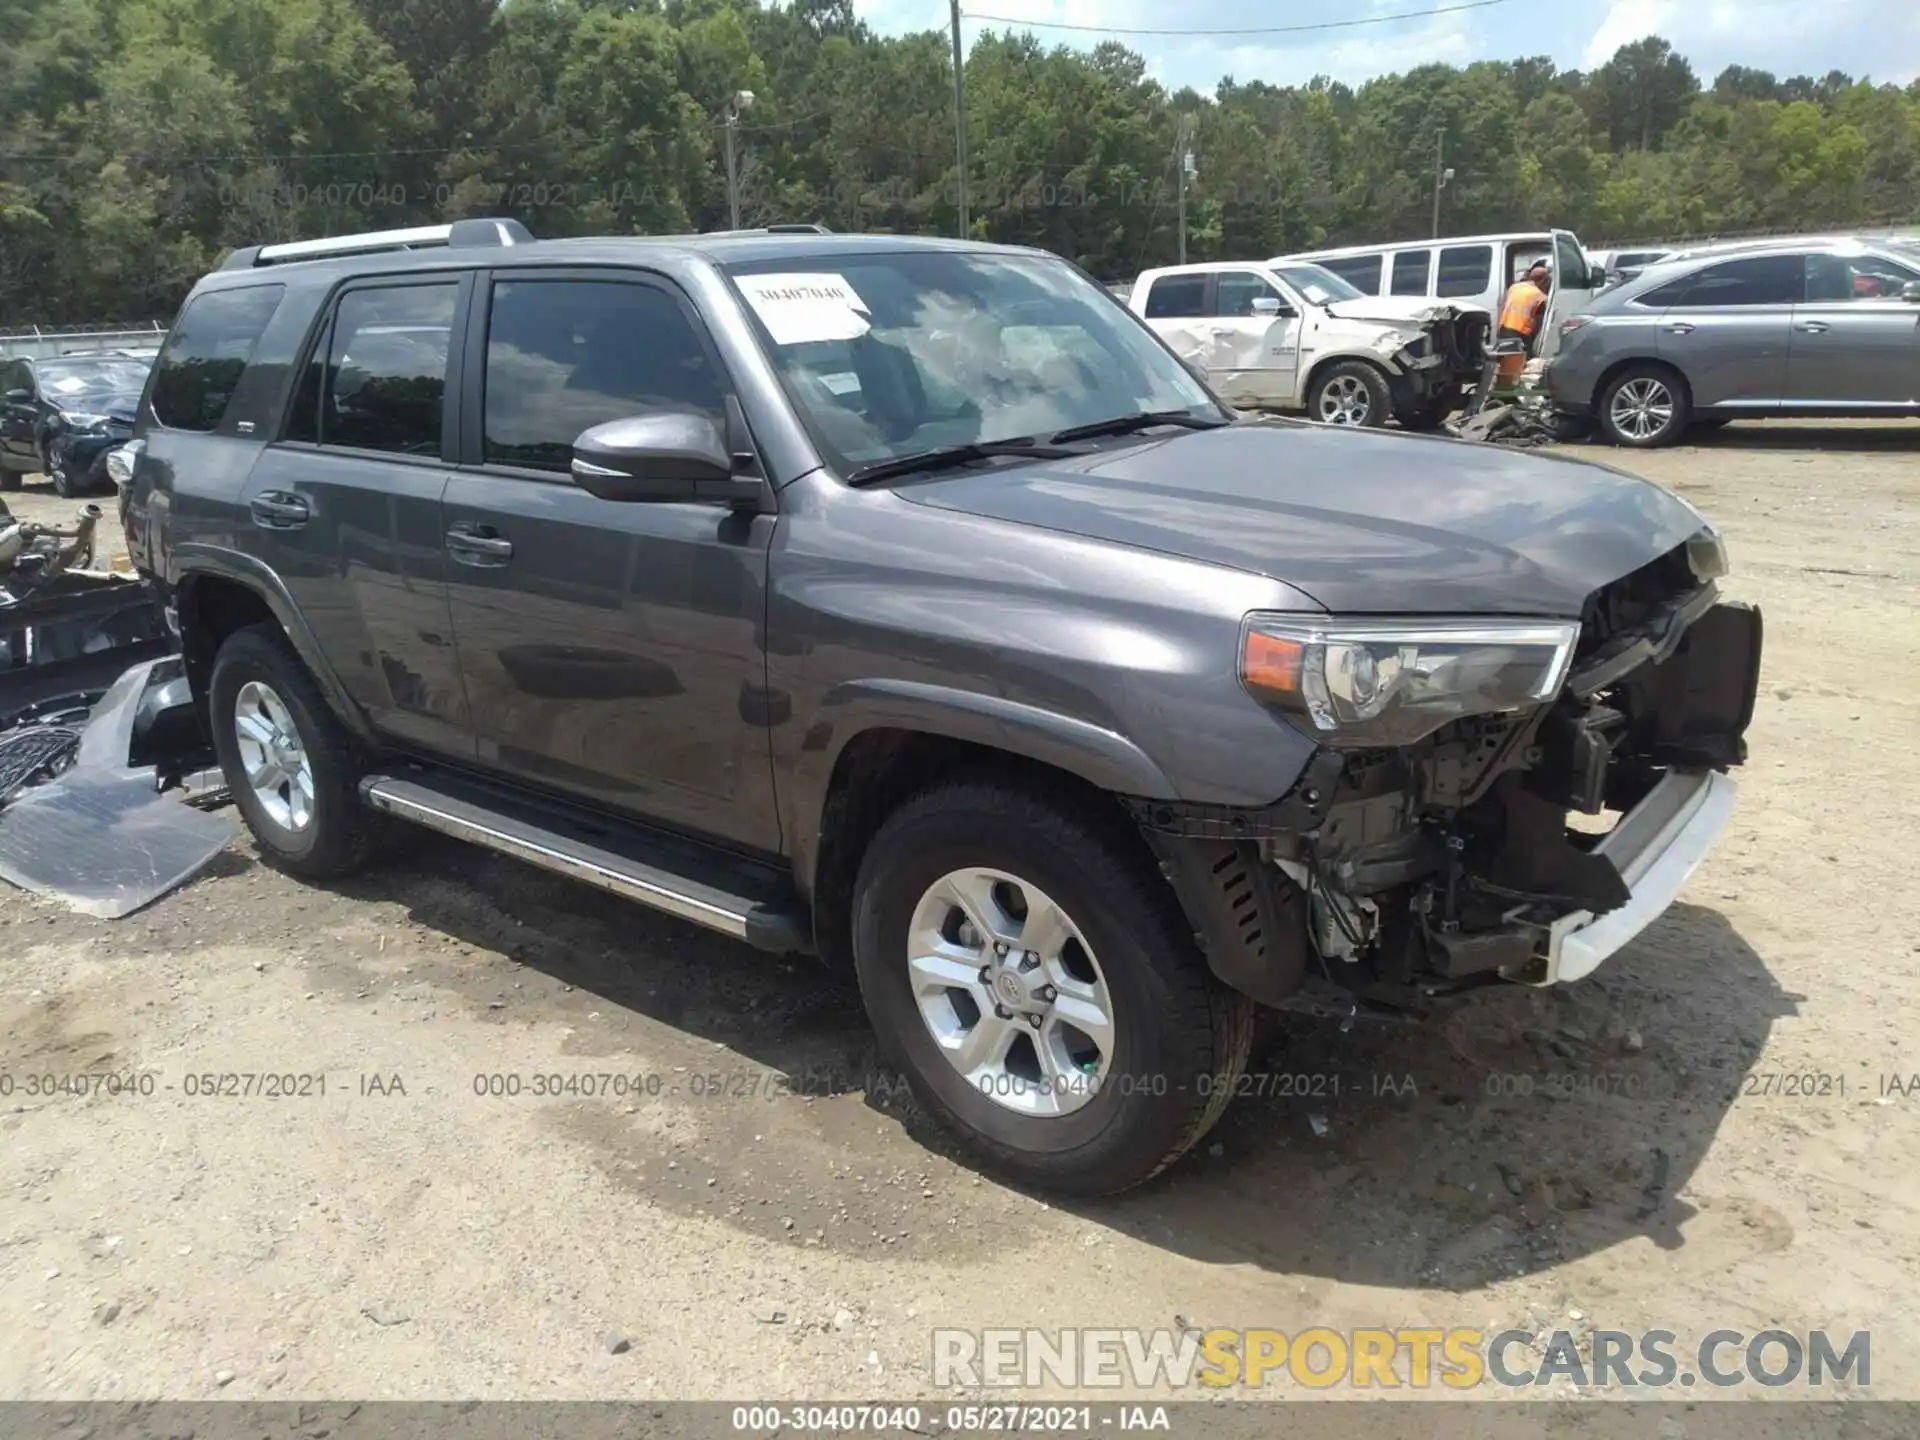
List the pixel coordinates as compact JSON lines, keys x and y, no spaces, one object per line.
{"x":1271,"y":664}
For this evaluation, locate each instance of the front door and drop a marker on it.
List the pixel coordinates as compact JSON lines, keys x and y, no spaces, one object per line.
{"x":1254,"y":354}
{"x":610,"y":649}
{"x":1856,"y":342}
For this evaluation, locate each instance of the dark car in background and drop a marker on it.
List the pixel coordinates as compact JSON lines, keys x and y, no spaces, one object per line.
{"x":1793,"y":328}
{"x":61,"y":415}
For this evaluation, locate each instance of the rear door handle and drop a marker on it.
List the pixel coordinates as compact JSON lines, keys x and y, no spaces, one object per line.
{"x":1814,"y":327}
{"x":478,"y":545}
{"x":280,"y":510}
{"x":1680,"y":327}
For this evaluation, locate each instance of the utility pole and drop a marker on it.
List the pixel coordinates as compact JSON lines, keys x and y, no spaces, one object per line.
{"x":1441,"y":176}
{"x":742,"y":99}
{"x":960,"y":117}
{"x":1186,"y":169}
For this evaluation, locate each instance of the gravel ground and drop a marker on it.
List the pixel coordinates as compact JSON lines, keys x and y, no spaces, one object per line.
{"x":758,"y":1216}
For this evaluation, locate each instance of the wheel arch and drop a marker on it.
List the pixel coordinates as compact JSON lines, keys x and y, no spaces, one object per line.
{"x":906,"y":739}
{"x":1324,"y":363}
{"x":217,"y":593}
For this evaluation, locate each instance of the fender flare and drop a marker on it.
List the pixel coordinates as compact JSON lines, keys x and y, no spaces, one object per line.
{"x":1101,"y":756}
{"x":197,"y":560}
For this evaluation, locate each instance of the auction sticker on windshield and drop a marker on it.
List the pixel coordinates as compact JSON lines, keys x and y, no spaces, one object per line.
{"x":801,"y":308}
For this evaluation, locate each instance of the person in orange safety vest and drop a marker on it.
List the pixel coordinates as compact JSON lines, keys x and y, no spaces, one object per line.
{"x":1526,"y":305}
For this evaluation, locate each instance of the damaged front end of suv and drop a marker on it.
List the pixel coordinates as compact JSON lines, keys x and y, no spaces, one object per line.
{"x":1501,"y":800}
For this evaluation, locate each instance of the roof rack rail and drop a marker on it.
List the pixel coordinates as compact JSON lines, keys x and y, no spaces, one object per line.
{"x":798,"y":227}
{"x":460,"y":233}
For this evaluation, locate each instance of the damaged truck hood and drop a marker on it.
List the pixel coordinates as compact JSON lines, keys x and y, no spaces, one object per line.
{"x":1401,"y":310}
{"x":1363,"y":522}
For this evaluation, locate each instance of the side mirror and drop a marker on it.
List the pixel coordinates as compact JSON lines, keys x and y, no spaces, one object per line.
{"x":674,"y":455}
{"x":19,"y":397}
{"x":1910,"y":292}
{"x":1269,"y":305}
{"x":1597,"y":278}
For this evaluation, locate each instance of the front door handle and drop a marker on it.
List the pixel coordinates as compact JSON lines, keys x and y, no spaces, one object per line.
{"x":478,"y":545}
{"x":280,"y":510}
{"x":1680,"y":327}
{"x":1814,"y":327}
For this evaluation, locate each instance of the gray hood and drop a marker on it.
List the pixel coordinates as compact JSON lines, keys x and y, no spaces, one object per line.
{"x":1362,"y":521}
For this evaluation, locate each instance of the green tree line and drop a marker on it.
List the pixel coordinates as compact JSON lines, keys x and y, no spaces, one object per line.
{"x":140,"y":139}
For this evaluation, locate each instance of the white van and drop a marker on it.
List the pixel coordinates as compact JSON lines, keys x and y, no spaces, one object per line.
{"x":1468,"y":269}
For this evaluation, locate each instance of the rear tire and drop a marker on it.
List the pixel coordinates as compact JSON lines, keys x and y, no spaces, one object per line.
{"x":1176,"y":1040}
{"x":289,"y":762}
{"x":1351,"y":393}
{"x":1643,"y":408}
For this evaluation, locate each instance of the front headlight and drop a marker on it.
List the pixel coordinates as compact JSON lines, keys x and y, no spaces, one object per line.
{"x":79,"y":421}
{"x":1707,"y":553}
{"x":1390,"y":682}
{"x":1394,"y":341}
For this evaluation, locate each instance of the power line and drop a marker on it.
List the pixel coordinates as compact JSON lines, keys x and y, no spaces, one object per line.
{"x":1252,"y":30}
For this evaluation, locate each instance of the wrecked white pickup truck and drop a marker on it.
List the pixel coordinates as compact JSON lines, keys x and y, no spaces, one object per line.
{"x":1293,"y":336}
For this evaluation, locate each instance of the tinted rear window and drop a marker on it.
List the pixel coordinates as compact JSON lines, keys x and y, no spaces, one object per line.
{"x":1175,"y":296}
{"x":200,"y":367}
{"x":1360,"y":271}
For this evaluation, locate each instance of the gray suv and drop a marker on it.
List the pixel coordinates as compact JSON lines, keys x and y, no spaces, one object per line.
{"x":907,"y":602}
{"x":1787,"y":328}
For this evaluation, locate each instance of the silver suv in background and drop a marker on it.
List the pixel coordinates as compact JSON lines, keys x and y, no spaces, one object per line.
{"x":1793,"y":329}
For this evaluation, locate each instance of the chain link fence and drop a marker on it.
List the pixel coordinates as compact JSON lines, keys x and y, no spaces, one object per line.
{"x":37,"y":342}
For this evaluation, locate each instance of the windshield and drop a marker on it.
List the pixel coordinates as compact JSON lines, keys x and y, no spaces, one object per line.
{"x":75,"y":379}
{"x":888,"y":355}
{"x":1318,"y":284}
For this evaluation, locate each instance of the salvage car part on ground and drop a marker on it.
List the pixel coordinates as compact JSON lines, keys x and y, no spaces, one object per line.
{"x":99,"y":833}
{"x":66,"y":629}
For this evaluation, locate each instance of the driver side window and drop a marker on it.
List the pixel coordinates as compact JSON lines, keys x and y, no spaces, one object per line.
{"x":566,"y":355}
{"x":1236,"y":290}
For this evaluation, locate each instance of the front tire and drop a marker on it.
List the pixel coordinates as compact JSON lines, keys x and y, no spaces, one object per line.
{"x":1351,"y":393}
{"x":1643,"y":407}
{"x":1030,"y":972}
{"x":60,"y":472}
{"x":290,"y":764}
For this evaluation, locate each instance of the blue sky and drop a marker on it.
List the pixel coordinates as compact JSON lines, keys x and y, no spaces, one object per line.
{"x":1880,"y":38}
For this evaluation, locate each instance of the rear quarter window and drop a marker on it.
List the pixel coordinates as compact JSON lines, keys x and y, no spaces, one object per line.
{"x":207,"y":352}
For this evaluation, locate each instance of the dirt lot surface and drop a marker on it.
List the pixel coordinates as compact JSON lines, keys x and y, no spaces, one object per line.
{"x":404,"y":1236}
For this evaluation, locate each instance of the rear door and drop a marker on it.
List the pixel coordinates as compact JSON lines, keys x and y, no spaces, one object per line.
{"x":611,"y":650}
{"x":1855,"y":341}
{"x":1727,"y":328}
{"x":345,"y":506}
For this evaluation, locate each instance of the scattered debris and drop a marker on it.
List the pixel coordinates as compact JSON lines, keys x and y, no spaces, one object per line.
{"x":769,"y":1315}
{"x":618,"y":1344}
{"x":1318,"y":1124}
{"x":1509,"y":1179}
{"x":108,"y":1313}
{"x":1632,"y":1042}
{"x":1654,"y":1194}
{"x":385,"y":1314}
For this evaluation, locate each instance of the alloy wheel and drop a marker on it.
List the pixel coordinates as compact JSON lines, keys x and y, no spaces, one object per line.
{"x":1011,"y":992}
{"x":1345,"y":401}
{"x":1641,"y":408}
{"x":273,"y":756}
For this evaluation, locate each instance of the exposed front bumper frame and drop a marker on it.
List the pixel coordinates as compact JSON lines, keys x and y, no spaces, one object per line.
{"x":1656,"y":847}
